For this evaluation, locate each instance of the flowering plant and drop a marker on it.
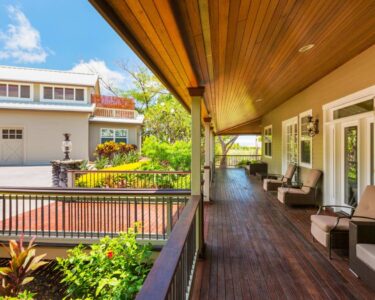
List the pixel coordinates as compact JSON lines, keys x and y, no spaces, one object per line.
{"x":115,"y":268}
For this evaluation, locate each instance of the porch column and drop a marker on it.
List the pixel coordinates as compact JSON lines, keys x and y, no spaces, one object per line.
{"x":212,"y":150}
{"x":196,"y":100}
{"x":207,"y":159}
{"x":196,"y":95}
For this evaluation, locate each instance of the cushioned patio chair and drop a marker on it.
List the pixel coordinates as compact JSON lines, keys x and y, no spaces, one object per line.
{"x":305,"y":195}
{"x":272,"y":184}
{"x":333,"y":231}
{"x":362,"y":249}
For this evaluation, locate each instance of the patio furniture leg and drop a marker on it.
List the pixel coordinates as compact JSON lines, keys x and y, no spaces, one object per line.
{"x":330,"y":246}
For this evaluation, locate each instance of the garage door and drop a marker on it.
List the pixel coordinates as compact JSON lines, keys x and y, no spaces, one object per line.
{"x":11,"y":146}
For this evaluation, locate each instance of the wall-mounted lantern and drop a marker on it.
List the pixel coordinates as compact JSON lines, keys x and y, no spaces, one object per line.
{"x":313,"y":126}
{"x":66,"y":146}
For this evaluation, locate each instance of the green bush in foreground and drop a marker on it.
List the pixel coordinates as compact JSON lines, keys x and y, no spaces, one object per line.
{"x":112,"y":269}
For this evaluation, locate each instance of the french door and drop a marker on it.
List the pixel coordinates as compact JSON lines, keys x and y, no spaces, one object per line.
{"x":350,"y":163}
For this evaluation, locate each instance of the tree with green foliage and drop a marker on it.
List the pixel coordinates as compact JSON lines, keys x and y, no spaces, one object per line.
{"x":167,"y":120}
{"x":226,"y":143}
{"x":147,"y":88}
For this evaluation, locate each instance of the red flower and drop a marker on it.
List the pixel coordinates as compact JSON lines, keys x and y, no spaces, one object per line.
{"x":110,"y":254}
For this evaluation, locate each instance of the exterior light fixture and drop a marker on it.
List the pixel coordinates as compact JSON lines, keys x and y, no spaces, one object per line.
{"x":306,"y":48}
{"x":66,"y":146}
{"x":312,"y":126}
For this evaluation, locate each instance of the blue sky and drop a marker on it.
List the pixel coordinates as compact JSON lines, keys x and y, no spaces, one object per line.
{"x":62,"y":35}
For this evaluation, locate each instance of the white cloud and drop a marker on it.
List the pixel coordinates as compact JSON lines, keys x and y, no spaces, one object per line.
{"x":110,"y":77}
{"x":21,"y":41}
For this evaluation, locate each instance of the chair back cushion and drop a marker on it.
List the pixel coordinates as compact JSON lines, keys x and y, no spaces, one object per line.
{"x":290,"y":171}
{"x":366,"y":205}
{"x":312,"y":180}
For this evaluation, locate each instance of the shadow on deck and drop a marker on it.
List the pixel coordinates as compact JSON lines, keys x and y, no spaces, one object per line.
{"x":259,"y":249}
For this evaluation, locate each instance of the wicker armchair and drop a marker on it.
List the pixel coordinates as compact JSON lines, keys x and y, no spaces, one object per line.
{"x":305,"y":195}
{"x":333,"y":231}
{"x":362,"y":249}
{"x":274,"y":181}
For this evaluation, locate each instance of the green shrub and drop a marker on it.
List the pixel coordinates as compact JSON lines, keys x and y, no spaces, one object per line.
{"x":84,"y":165}
{"x":101,"y":162}
{"x":112,"y":269}
{"x":176,"y":155}
{"x":118,"y":159}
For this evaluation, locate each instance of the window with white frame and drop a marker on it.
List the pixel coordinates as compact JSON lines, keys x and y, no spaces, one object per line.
{"x":268,"y":141}
{"x":15,"y":90}
{"x":305,"y":140}
{"x":63,"y":93}
{"x":115,"y":135}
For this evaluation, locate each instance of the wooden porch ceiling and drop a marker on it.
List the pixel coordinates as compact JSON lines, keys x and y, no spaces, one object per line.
{"x":241,"y":50}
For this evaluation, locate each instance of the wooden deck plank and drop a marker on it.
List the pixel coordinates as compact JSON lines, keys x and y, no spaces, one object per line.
{"x":257,"y":248}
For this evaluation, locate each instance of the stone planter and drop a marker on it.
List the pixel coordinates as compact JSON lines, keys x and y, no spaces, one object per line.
{"x":60,"y":171}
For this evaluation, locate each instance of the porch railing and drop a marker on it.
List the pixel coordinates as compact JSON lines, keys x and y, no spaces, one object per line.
{"x":113,"y":102}
{"x":115,"y":113}
{"x":173,"y":272}
{"x":75,"y":216}
{"x":179,"y":180}
{"x":225,"y":161}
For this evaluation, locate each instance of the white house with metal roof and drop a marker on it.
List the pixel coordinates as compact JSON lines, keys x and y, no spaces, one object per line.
{"x":38,"y":106}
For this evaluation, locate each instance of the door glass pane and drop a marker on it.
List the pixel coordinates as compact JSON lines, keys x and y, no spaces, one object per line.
{"x":372,"y":154}
{"x":291,"y":144}
{"x":351,"y":165}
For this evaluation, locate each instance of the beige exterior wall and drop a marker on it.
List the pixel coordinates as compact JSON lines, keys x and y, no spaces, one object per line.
{"x":43,"y":133}
{"x":134,"y":131}
{"x":352,"y":76}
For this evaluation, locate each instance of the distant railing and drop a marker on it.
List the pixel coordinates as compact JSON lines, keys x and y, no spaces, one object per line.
{"x":115,"y":113}
{"x":225,"y":161}
{"x":179,"y":180}
{"x":173,"y":272}
{"x":113,"y":102}
{"x":75,"y":216}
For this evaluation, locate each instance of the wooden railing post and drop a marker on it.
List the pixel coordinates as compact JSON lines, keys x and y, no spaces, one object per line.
{"x":170,"y":216}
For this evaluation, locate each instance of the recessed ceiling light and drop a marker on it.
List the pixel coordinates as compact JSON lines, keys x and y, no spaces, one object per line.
{"x":259,"y":100}
{"x":306,"y":48}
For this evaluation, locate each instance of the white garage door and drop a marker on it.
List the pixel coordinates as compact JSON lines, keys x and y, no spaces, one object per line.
{"x":11,"y":146}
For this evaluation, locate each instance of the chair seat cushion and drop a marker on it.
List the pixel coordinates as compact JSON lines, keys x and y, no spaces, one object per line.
{"x":284,"y":190}
{"x":271,"y":184}
{"x":366,"y":253}
{"x":326,"y":223}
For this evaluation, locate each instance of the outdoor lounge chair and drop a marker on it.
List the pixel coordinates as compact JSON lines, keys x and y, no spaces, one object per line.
{"x":271,"y":184}
{"x":362,"y":249}
{"x":306,"y":195}
{"x":333,"y":231}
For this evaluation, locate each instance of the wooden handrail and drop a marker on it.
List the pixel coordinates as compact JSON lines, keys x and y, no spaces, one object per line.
{"x":161,"y":276}
{"x":131,"y":172}
{"x":83,"y":191}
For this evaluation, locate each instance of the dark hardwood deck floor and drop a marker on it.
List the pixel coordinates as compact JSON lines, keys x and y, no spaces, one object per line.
{"x":259,"y":249}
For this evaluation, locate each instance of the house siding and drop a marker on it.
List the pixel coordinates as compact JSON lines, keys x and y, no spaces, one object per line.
{"x":43,"y":133}
{"x":94,"y":135}
{"x":356,"y":74}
